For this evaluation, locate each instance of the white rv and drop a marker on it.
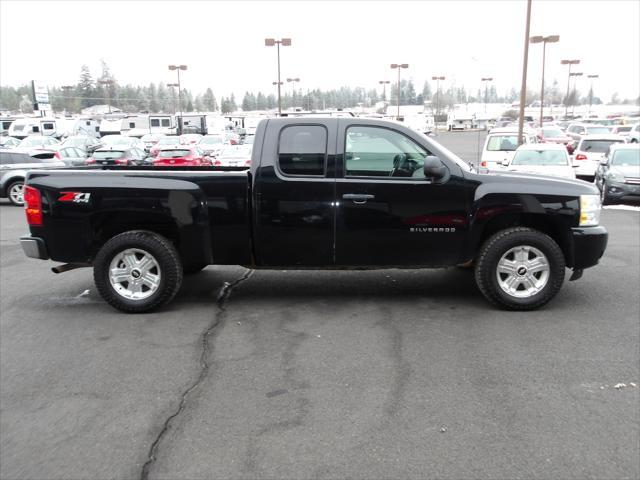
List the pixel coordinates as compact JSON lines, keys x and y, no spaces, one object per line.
{"x":67,"y":127}
{"x":461,"y":121}
{"x":23,"y":127}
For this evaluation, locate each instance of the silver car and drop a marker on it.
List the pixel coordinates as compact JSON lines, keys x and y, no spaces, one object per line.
{"x":14,"y":167}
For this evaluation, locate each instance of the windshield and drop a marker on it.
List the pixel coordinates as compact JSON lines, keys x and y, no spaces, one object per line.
{"x":169,"y":141}
{"x":33,"y":141}
{"x":597,"y":130}
{"x":108,"y":154}
{"x":235,"y":153}
{"x":540,"y":157}
{"x":597,"y":146}
{"x":626,"y":158}
{"x":502,"y":143}
{"x":74,"y":142}
{"x":552,"y":133}
{"x":173,"y":153}
{"x":116,"y":140}
{"x":211,"y":140}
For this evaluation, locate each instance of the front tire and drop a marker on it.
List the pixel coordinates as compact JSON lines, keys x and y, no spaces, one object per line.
{"x":137,"y":271}
{"x":15,"y":193}
{"x":520,"y":269}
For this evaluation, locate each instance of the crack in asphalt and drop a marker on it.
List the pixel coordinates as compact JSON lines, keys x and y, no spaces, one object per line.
{"x":223,"y":296}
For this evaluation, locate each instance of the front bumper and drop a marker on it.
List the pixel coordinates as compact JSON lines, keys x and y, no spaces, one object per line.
{"x":589,"y":244}
{"x":615,"y":190}
{"x":34,"y":247}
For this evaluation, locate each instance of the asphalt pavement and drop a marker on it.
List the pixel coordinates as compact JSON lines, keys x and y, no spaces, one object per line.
{"x":321,"y":374}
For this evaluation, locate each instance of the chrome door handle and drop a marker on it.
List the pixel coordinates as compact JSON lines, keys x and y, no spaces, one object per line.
{"x":358,"y":198}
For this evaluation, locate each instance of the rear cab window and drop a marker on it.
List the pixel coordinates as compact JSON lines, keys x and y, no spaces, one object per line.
{"x":302,"y":150}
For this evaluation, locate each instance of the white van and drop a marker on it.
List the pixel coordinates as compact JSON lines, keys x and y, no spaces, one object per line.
{"x":500,"y":145}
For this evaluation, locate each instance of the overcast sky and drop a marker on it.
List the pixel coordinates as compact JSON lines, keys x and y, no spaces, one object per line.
{"x":333,"y":43}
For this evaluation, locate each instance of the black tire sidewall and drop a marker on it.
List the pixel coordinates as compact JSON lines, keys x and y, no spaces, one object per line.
{"x":168,"y":262}
{"x":498,"y":245}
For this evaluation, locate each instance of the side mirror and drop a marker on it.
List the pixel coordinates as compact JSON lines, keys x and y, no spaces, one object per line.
{"x":505,"y":162}
{"x":434,"y":168}
{"x":604,"y":161}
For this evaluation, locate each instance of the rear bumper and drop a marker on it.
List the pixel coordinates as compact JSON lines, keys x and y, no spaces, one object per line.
{"x":589,"y":244}
{"x":34,"y":247}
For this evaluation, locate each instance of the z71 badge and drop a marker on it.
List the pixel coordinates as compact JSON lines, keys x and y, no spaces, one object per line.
{"x":75,"y":197}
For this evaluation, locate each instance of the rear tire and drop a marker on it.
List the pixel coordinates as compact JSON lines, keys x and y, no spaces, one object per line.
{"x":15,"y":193}
{"x":520,"y":269}
{"x":137,"y":271}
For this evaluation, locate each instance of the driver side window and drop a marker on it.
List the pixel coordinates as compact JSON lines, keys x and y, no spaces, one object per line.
{"x":380,"y":152}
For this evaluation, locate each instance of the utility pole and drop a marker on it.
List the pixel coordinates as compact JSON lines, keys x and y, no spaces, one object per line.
{"x":523,"y":88}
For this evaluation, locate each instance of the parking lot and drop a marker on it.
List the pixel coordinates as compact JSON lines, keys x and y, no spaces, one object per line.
{"x":321,"y":374}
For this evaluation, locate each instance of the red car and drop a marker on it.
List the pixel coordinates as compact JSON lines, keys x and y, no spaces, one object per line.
{"x":164,"y":142}
{"x":181,"y":156}
{"x":555,"y":135}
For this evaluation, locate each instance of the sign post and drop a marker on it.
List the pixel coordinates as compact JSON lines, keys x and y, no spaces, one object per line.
{"x":40,"y":97}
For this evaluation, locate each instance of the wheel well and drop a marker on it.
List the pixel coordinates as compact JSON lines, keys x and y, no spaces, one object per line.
{"x":107,"y":225}
{"x":540,"y":222}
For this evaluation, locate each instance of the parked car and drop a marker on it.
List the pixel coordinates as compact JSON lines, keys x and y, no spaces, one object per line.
{"x":116,"y":156}
{"x":150,"y":139}
{"x":623,"y":130}
{"x":578,"y":130}
{"x":9,"y":142}
{"x":85,"y":142}
{"x":500,"y":145}
{"x":162,"y":143}
{"x":590,"y":150}
{"x":181,"y":156}
{"x":37,"y":141}
{"x":122,"y":141}
{"x":618,"y":174}
{"x":71,"y":156}
{"x":388,"y":196}
{"x":234,"y":156}
{"x":14,"y":167}
{"x":211,"y":144}
{"x":542,"y":159}
{"x":190,"y":138}
{"x":555,"y":135}
{"x":634,"y":134}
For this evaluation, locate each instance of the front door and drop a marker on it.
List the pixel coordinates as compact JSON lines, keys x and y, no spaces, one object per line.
{"x":389,"y":214}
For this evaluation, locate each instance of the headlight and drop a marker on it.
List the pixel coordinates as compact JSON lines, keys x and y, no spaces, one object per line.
{"x":614,"y":176}
{"x":589,"y":210}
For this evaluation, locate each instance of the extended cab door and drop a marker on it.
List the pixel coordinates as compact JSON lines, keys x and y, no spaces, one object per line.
{"x":389,"y":214}
{"x":294,"y":193}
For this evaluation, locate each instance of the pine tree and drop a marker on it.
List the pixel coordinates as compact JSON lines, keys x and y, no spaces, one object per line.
{"x":85,"y":87}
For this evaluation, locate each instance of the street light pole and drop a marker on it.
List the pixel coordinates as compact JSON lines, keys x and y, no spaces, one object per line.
{"x":285,"y":42}
{"x":399,"y":66}
{"x":523,"y":86}
{"x":108,"y":83}
{"x":486,"y":80}
{"x":178,"y":68}
{"x":437,"y":79}
{"x":293,"y":89}
{"x":173,"y":94}
{"x":544,"y":41}
{"x":384,"y":89}
{"x":591,"y":91}
{"x":575,"y":79}
{"x":566,"y":99}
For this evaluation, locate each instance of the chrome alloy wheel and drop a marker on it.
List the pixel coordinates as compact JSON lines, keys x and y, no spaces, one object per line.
{"x":16,"y":193}
{"x":134,"y":274}
{"x":523,"y":271}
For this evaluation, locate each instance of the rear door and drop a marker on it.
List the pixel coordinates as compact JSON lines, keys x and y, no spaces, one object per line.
{"x":389,"y":214}
{"x":294,"y":197}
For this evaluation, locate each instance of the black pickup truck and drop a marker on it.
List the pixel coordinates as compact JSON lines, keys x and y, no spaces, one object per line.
{"x":321,"y":193}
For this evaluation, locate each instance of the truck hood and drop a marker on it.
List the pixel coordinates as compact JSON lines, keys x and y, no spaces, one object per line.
{"x":529,"y":183}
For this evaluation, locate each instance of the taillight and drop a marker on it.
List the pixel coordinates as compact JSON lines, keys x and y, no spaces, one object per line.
{"x":247,"y":163}
{"x":483,"y":163}
{"x":89,"y":161}
{"x":33,"y":205}
{"x":122,"y":161}
{"x":580,"y":156}
{"x":217,"y":162}
{"x":57,"y":155}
